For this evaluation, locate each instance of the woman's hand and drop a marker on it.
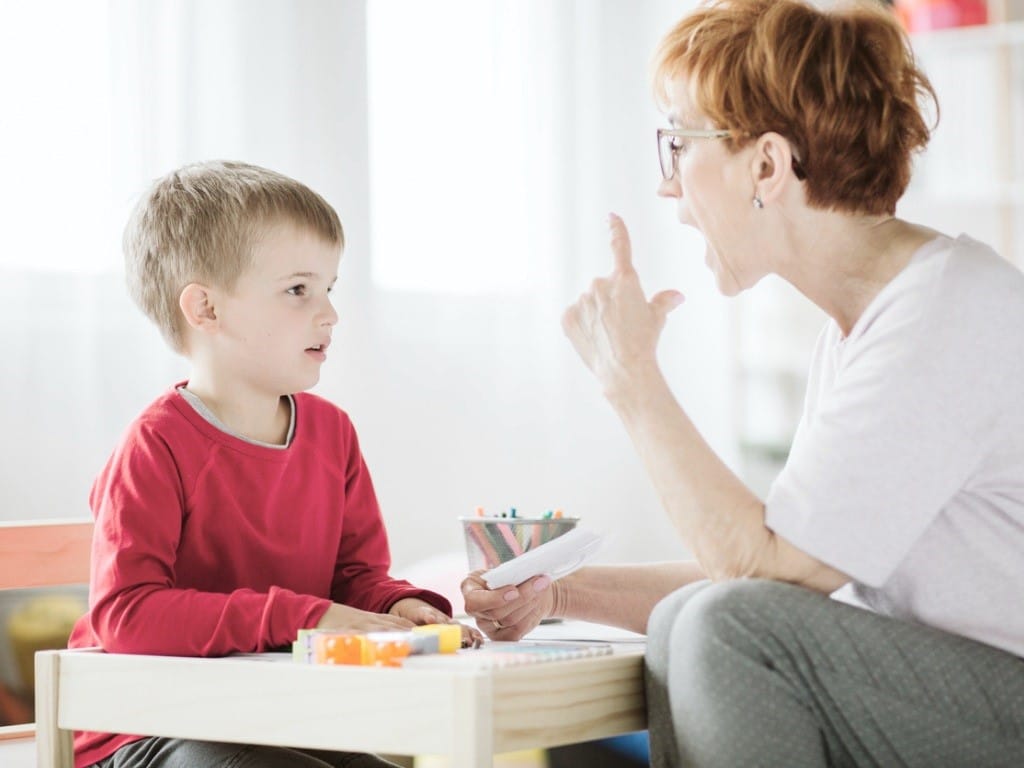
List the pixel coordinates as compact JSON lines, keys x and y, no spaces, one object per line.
{"x":613,"y":327}
{"x":508,"y":613}
{"x":421,"y":612}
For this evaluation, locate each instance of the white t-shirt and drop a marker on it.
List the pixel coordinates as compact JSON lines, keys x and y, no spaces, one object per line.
{"x":907,"y":469}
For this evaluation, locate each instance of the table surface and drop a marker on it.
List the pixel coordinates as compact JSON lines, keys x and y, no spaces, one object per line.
{"x":468,"y":713}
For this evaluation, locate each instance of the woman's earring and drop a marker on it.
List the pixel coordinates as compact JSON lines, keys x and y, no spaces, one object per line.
{"x":758,"y":202}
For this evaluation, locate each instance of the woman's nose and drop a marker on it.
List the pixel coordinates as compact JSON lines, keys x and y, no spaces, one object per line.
{"x":670,"y":187}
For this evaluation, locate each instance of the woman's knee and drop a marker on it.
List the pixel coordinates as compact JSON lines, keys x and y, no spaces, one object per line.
{"x":729,"y":612}
{"x":665,"y":612}
{"x":659,"y":625}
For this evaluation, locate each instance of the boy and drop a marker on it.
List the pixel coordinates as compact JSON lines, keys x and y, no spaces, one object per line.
{"x":235,"y":512}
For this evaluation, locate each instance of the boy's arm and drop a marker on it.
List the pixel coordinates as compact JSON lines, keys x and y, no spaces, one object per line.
{"x":361,"y":577}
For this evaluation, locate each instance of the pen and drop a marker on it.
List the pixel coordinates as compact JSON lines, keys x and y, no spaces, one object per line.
{"x":513,"y":543}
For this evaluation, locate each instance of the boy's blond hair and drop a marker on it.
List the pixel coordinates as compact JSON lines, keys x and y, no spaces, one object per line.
{"x":199,"y":224}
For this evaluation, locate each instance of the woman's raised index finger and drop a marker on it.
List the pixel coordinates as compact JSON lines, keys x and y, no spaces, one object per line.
{"x":622,"y":250}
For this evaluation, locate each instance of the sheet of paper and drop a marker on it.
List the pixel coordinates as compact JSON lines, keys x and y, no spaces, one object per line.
{"x":572,"y":630}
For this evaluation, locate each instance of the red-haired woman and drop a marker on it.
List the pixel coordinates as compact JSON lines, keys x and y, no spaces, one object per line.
{"x":790,"y":138}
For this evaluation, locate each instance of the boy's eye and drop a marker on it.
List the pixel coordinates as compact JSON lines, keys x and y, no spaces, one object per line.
{"x":678,"y":144}
{"x":297,"y":290}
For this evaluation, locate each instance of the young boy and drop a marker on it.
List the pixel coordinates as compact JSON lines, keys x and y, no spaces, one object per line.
{"x":237,"y":509}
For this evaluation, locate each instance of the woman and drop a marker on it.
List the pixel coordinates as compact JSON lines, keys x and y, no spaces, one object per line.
{"x":790,"y":142}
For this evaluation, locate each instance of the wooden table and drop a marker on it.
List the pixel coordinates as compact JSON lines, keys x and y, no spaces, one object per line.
{"x":466,"y":713}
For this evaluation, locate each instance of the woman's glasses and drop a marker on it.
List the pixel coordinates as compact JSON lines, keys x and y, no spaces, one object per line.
{"x":669,"y":147}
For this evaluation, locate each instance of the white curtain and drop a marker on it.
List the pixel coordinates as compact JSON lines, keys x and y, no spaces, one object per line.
{"x":449,"y":355}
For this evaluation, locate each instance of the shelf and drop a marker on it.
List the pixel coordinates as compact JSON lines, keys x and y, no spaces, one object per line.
{"x":981,"y":37}
{"x":1009,"y":194}
{"x":765,"y":450}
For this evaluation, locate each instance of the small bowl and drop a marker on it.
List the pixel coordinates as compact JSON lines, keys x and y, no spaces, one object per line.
{"x":491,"y":541}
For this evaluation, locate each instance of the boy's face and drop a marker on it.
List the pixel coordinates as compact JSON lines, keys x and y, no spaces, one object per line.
{"x":275,"y":325}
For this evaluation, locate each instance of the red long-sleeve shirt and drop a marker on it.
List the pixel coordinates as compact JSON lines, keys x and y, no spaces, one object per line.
{"x":206,"y":544}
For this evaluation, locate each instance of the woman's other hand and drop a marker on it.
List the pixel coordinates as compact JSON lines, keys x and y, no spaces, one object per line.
{"x":508,"y":613}
{"x":613,"y":326}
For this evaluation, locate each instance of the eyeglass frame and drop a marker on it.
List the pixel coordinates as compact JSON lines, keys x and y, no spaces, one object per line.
{"x":701,"y":133}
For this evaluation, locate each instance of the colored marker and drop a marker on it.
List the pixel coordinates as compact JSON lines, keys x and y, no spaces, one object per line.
{"x":483,"y":542}
{"x":513,"y":543}
{"x":535,"y":536}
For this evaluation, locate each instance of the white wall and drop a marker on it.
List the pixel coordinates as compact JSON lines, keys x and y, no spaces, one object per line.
{"x":460,"y":400}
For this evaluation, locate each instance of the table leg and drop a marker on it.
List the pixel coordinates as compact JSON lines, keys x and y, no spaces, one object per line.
{"x":473,"y":726}
{"x":53,"y":745}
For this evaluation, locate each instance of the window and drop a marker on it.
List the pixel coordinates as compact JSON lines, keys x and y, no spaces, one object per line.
{"x":54,"y":137}
{"x":454,"y":144}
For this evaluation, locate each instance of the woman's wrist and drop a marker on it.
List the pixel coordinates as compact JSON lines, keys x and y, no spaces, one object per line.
{"x":631,"y":387}
{"x":559,"y":600}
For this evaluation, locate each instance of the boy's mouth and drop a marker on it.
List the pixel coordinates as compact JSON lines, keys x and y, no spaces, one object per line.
{"x":319,"y":350}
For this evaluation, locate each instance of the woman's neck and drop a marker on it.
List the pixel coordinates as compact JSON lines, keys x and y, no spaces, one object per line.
{"x":847,"y":260}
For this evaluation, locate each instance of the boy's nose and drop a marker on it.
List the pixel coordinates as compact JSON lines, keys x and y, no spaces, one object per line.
{"x":329,"y":316}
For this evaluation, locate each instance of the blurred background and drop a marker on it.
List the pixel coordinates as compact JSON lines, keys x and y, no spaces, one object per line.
{"x":473,"y":149}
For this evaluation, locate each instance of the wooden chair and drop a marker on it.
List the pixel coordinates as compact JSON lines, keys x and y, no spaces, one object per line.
{"x":43,"y":554}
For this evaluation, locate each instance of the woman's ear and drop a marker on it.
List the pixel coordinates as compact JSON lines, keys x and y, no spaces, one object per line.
{"x":196,"y":303}
{"x":770,"y":167}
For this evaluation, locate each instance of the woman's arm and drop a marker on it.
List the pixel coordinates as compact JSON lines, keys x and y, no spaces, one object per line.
{"x":619,"y":595}
{"x":615,"y":330}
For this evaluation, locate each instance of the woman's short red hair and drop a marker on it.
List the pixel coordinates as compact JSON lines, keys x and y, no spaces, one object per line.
{"x":842,"y":86}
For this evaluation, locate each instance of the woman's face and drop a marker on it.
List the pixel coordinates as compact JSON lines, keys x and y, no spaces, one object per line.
{"x":714,"y":191}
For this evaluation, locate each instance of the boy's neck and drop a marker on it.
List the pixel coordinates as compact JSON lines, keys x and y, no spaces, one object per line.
{"x":257,"y":416}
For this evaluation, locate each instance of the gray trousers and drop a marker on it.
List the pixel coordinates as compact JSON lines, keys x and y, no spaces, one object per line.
{"x":157,"y":752}
{"x":760,"y":673}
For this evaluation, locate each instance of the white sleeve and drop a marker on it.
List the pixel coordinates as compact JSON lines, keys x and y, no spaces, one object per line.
{"x":886,"y":447}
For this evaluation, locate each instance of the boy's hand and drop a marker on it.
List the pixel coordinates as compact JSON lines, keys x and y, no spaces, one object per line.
{"x":508,"y":613}
{"x":418,"y":611}
{"x":350,"y":619}
{"x":421,"y":612}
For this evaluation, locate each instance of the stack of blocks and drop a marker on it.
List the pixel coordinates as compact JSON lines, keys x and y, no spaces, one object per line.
{"x":374,"y":649}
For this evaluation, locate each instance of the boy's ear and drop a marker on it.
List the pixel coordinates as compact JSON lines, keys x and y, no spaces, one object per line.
{"x":196,"y":303}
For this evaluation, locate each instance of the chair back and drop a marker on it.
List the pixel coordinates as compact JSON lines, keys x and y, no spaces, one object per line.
{"x":49,"y":553}
{"x":44,"y":553}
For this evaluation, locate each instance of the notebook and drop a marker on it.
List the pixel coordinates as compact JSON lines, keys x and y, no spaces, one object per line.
{"x":494,"y":654}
